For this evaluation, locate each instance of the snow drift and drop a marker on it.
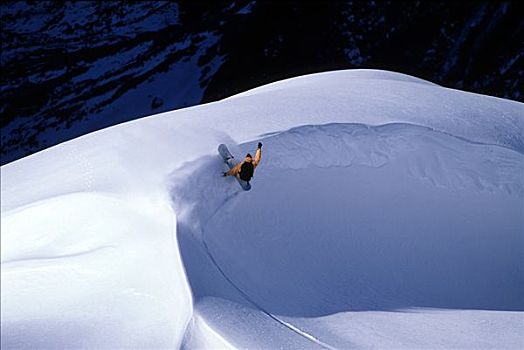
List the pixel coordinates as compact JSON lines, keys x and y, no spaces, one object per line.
{"x":387,"y":212}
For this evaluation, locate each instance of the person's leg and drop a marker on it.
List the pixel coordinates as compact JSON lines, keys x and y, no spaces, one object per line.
{"x":235,"y":170}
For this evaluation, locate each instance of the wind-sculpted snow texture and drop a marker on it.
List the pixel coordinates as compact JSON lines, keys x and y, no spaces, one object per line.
{"x":375,"y":221}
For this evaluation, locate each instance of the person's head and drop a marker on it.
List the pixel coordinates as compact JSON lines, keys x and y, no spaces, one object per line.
{"x":249,"y":158}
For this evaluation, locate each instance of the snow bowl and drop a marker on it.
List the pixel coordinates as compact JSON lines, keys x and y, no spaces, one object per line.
{"x":347,"y":219}
{"x":387,"y":212}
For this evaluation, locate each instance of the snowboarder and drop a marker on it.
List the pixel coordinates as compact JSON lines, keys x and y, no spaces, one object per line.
{"x":244,"y":170}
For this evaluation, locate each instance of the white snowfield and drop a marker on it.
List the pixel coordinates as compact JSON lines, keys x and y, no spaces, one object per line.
{"x":387,"y":212}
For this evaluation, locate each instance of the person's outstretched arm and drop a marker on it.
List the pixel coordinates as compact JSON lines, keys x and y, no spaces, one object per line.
{"x":258,"y":155}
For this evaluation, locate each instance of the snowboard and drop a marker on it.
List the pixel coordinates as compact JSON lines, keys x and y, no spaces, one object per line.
{"x":230,"y":162}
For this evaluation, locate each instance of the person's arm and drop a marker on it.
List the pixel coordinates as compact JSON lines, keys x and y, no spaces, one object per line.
{"x":234,"y":170}
{"x":258,"y":155}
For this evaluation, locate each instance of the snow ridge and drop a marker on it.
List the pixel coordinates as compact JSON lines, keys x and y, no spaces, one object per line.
{"x":383,"y":211}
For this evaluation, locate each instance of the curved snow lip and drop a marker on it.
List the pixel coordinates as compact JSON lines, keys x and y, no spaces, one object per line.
{"x":365,"y":74}
{"x":350,"y":217}
{"x":349,"y":144}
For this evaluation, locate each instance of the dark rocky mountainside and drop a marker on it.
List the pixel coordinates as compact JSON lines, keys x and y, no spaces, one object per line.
{"x":71,"y":68}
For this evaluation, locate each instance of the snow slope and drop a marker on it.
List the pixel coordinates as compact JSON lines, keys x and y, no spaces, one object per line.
{"x":387,"y":212}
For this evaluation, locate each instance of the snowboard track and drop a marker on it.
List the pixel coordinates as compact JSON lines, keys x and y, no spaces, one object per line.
{"x":243,"y":294}
{"x":256,"y":305}
{"x":250,"y":300}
